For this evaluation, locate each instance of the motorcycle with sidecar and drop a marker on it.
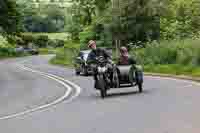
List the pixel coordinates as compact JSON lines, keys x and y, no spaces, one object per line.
{"x":121,"y":74}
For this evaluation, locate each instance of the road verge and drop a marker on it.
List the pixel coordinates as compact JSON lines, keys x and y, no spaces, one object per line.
{"x":197,"y":79}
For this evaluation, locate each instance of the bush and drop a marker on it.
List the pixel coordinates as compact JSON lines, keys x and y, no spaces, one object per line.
{"x":26,"y":39}
{"x":59,"y":43}
{"x":185,"y":52}
{"x":65,"y":56}
{"x":42,"y":41}
{"x":45,"y":51}
{"x":85,"y":36}
{"x":9,"y":52}
{"x":56,"y":43}
{"x":98,"y":32}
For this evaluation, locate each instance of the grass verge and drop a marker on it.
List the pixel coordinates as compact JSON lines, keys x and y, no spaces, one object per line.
{"x":65,"y":56}
{"x":45,"y":51}
{"x":174,"y":69}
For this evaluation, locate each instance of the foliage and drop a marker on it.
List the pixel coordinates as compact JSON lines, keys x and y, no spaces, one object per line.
{"x":185,"y":52}
{"x":41,"y":41}
{"x":135,"y":20}
{"x":65,"y":56}
{"x":52,"y":36}
{"x":46,"y":18}
{"x":85,"y":36}
{"x":85,"y":9}
{"x":74,"y":29}
{"x":84,"y":13}
{"x":45,"y":51}
{"x":174,"y":69}
{"x":56,"y":43}
{"x":9,"y":51}
{"x":180,"y":19}
{"x":9,"y":16}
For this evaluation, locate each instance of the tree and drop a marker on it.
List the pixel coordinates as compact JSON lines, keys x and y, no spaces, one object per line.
{"x":86,"y":8}
{"x":180,"y":19}
{"x":135,"y":20}
{"x":9,"y":16}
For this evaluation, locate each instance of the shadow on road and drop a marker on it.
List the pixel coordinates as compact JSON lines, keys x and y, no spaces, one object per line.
{"x":111,"y":95}
{"x":121,"y":94}
{"x":125,"y":86}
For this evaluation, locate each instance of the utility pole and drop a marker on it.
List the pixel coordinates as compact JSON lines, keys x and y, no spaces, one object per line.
{"x":116,"y":7}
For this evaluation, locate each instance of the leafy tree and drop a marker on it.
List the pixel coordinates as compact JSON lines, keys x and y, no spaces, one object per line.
{"x":135,"y":20}
{"x":9,"y":16}
{"x":44,"y":18}
{"x":180,"y":19}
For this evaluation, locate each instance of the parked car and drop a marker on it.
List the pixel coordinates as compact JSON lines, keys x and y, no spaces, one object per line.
{"x":19,"y":49}
{"x":31,"y":51}
{"x":81,"y":65}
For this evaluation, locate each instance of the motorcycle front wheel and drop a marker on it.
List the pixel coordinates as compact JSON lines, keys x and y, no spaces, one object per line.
{"x":102,"y":86}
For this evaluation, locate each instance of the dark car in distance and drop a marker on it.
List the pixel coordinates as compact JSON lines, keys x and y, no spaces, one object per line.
{"x":31,"y":51}
{"x":81,"y":65}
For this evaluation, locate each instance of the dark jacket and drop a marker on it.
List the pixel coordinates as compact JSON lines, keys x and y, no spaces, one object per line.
{"x":98,"y":52}
{"x":124,"y":60}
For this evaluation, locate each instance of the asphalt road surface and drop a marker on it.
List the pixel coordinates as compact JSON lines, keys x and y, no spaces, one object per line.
{"x":36,"y":102}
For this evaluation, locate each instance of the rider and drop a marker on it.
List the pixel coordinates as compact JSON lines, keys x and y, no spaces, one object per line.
{"x":96,"y":52}
{"x":125,"y":59}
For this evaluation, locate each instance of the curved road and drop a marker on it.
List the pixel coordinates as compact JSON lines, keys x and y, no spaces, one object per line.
{"x":166,"y":106}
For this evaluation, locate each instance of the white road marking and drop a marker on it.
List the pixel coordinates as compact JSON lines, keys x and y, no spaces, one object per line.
{"x":78,"y":89}
{"x":57,"y":79}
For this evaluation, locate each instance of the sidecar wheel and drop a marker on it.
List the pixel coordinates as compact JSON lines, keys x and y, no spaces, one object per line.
{"x":139,"y":80}
{"x":116,"y":83}
{"x":140,"y":87}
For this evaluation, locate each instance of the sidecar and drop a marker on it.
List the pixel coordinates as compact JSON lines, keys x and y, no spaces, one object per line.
{"x":127,"y":74}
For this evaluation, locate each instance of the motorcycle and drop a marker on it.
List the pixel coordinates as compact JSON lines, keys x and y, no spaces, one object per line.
{"x":102,"y":82}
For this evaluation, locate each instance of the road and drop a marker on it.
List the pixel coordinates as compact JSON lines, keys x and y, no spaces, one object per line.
{"x":166,"y":105}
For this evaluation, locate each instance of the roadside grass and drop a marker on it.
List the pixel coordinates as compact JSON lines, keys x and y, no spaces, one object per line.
{"x":9,"y":52}
{"x":52,"y":36}
{"x":178,"y":57}
{"x":62,"y":59}
{"x":174,"y":69}
{"x":45,"y":51}
{"x":184,"y":52}
{"x":65,"y":56}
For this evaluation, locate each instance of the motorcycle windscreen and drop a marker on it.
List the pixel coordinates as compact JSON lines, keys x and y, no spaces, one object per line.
{"x":85,"y":56}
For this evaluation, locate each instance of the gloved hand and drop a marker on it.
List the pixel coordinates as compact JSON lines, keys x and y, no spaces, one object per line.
{"x":110,"y":61}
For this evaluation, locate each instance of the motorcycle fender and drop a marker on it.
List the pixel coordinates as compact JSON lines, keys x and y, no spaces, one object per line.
{"x":138,"y":67}
{"x":99,"y":81}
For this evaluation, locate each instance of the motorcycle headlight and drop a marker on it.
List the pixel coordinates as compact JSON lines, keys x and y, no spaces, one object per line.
{"x":102,"y":69}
